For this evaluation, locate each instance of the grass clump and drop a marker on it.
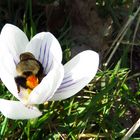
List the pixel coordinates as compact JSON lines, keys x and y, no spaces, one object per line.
{"x":106,"y":108}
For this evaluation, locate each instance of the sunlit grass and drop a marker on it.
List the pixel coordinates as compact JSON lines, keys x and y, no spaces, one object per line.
{"x":105,"y":109}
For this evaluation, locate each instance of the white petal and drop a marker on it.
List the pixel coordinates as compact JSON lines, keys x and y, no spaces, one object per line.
{"x":78,"y":73}
{"x":16,"y":110}
{"x":8,"y":72}
{"x":14,"y":40}
{"x":45,"y":90}
{"x":45,"y":46}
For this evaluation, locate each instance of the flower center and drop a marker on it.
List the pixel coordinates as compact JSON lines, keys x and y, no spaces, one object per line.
{"x":32,"y":81}
{"x":29,"y":74}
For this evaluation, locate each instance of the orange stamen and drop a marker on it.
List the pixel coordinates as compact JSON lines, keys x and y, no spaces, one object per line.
{"x":32,"y":81}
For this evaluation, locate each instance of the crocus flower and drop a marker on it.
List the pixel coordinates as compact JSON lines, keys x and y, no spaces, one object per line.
{"x":58,"y":82}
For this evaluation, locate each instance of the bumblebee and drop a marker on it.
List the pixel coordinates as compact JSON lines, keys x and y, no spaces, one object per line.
{"x":29,"y":71}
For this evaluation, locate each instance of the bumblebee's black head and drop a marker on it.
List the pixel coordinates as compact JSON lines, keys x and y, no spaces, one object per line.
{"x":26,"y":56}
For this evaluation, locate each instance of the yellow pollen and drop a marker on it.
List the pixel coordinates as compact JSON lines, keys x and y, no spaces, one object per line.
{"x":29,"y":90}
{"x":32,"y":81}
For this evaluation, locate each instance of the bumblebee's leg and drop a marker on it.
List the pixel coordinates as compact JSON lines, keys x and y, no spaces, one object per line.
{"x":20,"y":81}
{"x":18,"y":87}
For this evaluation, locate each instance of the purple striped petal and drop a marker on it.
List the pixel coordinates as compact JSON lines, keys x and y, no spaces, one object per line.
{"x":78,"y":72}
{"x":45,"y":47}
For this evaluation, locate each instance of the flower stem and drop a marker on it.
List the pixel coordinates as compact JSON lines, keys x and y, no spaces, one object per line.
{"x":4,"y":126}
{"x":27,"y":130}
